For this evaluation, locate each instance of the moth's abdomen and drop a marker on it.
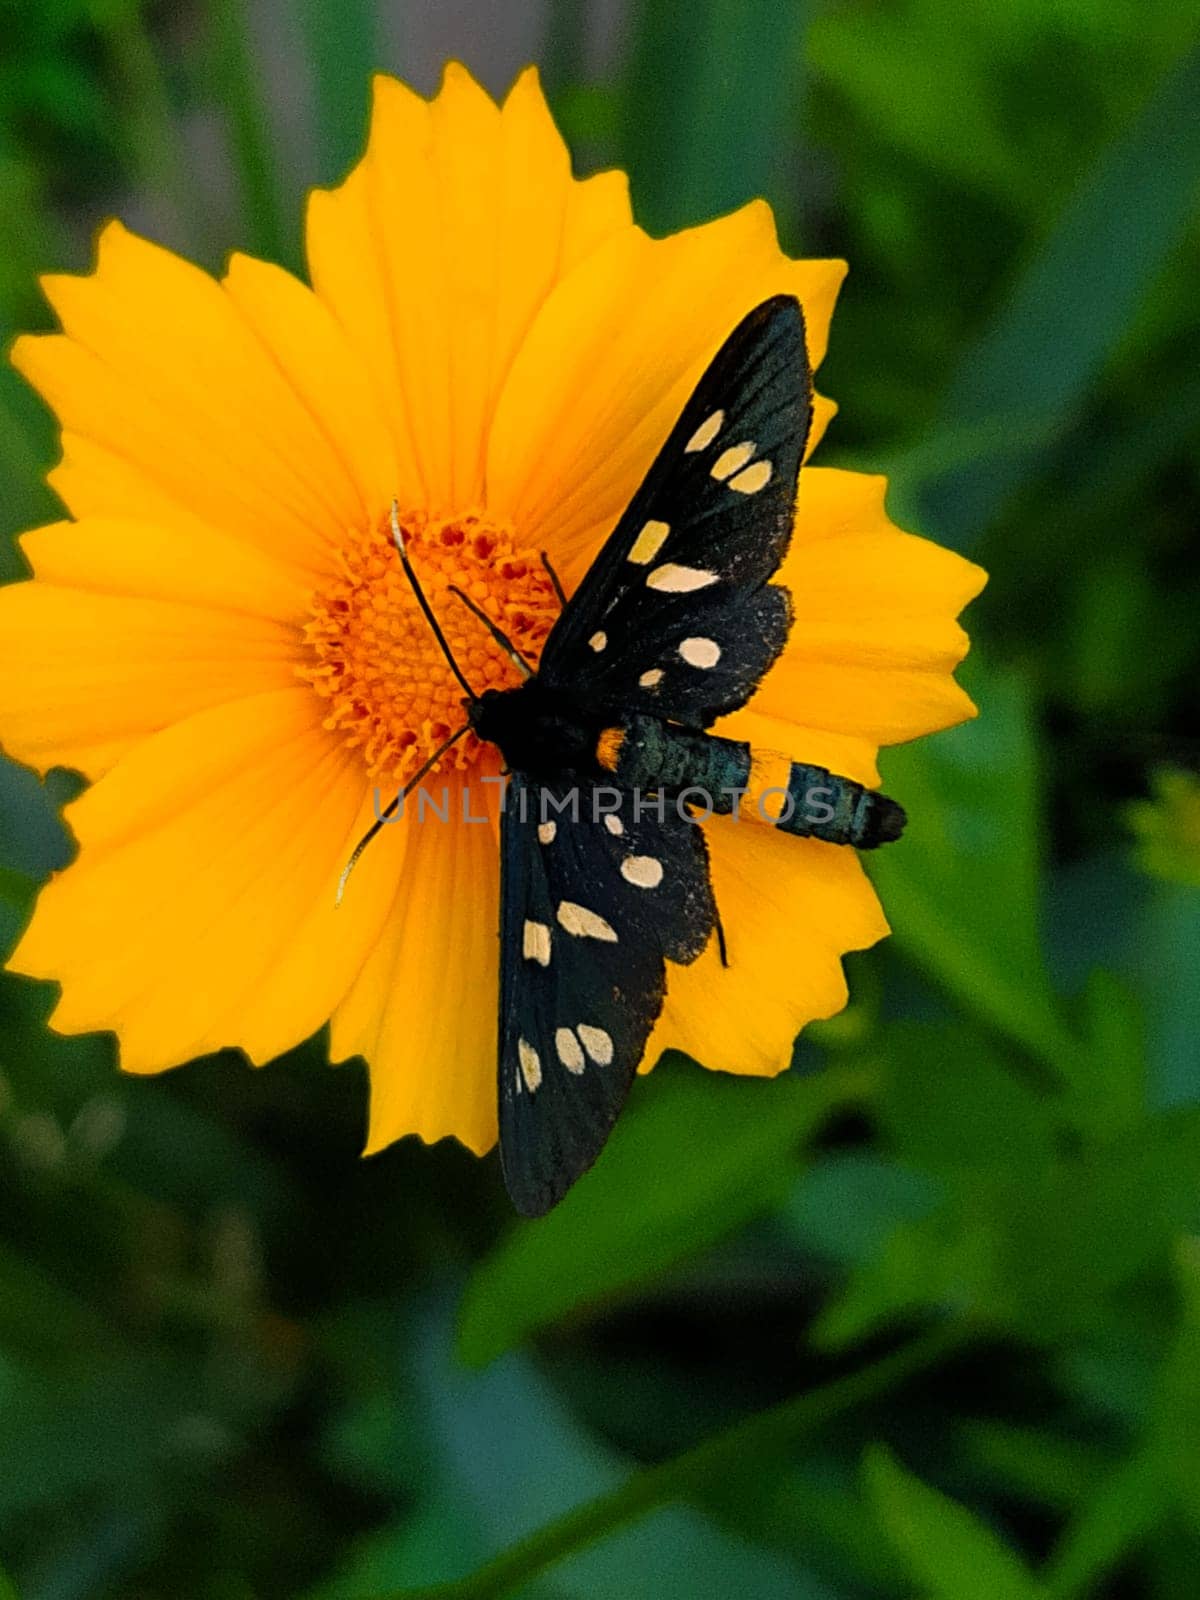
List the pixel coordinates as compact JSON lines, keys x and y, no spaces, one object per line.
{"x":814,"y":803}
{"x":646,"y":754}
{"x":720,"y":775}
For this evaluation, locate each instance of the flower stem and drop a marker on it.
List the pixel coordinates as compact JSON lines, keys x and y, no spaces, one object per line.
{"x":672,"y":1480}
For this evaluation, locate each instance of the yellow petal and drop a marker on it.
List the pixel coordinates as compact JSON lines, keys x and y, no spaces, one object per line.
{"x":312,"y":352}
{"x":436,"y":254}
{"x":193,"y":565}
{"x":613,"y":356}
{"x":327,"y":945}
{"x":839,"y":752}
{"x":423,"y":1011}
{"x":823,"y":412}
{"x":83,"y":674}
{"x":790,"y":908}
{"x":157,"y":365}
{"x":202,"y":855}
{"x":874,"y":642}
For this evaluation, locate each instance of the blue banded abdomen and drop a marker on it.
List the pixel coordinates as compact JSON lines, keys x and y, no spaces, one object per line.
{"x":721,"y":775}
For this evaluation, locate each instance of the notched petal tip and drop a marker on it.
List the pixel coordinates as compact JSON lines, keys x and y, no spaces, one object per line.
{"x":113,"y":234}
{"x":526,"y":84}
{"x":110,"y":235}
{"x":390,"y":93}
{"x":24,"y":354}
{"x":975,"y":577}
{"x":457,"y":75}
{"x":381,"y":1138}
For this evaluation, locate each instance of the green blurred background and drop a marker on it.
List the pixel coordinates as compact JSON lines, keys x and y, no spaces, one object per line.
{"x":921,"y":1318}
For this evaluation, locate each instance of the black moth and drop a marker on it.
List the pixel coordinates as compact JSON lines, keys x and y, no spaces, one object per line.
{"x":604,"y":872}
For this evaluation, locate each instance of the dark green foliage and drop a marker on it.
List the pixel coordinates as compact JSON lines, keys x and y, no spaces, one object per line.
{"x":920,"y":1318}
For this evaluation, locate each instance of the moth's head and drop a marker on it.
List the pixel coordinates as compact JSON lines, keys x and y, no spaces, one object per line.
{"x":479,"y":708}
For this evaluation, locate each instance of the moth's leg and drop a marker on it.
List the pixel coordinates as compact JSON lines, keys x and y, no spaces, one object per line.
{"x":721,"y":945}
{"x":553,"y":576}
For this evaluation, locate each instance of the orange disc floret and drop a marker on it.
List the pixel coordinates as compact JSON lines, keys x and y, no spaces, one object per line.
{"x":391,"y":692}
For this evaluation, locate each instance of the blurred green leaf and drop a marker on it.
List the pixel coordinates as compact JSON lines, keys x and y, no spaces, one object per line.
{"x":1077,"y":1232}
{"x":963,"y":886}
{"x":33,"y":840}
{"x":815,"y":1508}
{"x":1116,"y":1034}
{"x":907,"y":41}
{"x":1050,"y":338}
{"x":1166,"y":938}
{"x":509,"y":1462}
{"x":150,"y":131}
{"x":1117,"y":1518}
{"x":712,"y":87}
{"x":1145,"y":933}
{"x":1039,"y":1228}
{"x":113,"y":1428}
{"x":1115,"y":606}
{"x":343,"y":52}
{"x":564,"y":48}
{"x":589,"y":116}
{"x":1175,"y":1435}
{"x":520,"y":1461}
{"x":846,"y":1205}
{"x":694,"y":1159}
{"x":951,"y":448}
{"x":1167,"y":828}
{"x":16,"y":896}
{"x":238,"y":84}
{"x":933,"y":1262}
{"x":41,"y":1319}
{"x":25,"y":452}
{"x":948,"y":1551}
{"x":1040,"y":1467}
{"x":742,"y":1446}
{"x":949,"y":1105}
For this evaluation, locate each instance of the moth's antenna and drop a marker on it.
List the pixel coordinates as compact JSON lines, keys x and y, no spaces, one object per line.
{"x":398,"y":540}
{"x":383,"y":816}
{"x":501,"y":638}
{"x":553,"y":576}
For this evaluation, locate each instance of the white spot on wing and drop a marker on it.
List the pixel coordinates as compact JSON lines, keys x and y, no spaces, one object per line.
{"x":752,"y":478}
{"x":598,"y":641}
{"x":537,"y":943}
{"x":651,"y":679}
{"x":546,"y":832}
{"x":671,"y":579}
{"x":703,"y":653}
{"x":584,"y":924}
{"x":597,"y":1043}
{"x":568,"y":1049}
{"x":531,"y":1066}
{"x":706,"y":432}
{"x":644,"y":872}
{"x":614,"y":825}
{"x":649,"y":542}
{"x":731,"y":460}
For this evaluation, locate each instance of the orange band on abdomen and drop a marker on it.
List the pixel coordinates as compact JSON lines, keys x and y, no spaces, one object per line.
{"x":608,"y":748}
{"x":766,"y":797}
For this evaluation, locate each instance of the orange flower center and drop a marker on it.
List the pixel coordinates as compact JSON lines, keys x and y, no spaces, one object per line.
{"x":375,"y":659}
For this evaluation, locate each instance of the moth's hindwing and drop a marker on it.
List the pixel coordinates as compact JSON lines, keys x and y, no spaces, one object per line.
{"x":676,"y":617}
{"x":591,"y":905}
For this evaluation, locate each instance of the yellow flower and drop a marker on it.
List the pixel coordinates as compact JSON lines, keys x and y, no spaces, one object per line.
{"x":221,"y":641}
